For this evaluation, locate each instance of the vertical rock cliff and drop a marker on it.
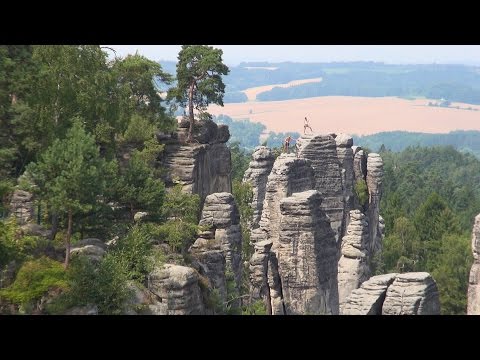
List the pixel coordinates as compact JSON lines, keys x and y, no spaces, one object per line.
{"x":204,"y":166}
{"x":307,"y":256}
{"x":353,"y":266}
{"x":474,"y":280}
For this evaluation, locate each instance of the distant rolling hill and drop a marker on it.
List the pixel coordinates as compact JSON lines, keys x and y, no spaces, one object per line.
{"x":465,"y":141}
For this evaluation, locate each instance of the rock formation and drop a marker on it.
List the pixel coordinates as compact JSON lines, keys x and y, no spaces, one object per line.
{"x":258,"y":273}
{"x":218,"y":250}
{"x":412,"y":294}
{"x":94,"y":249}
{"x":22,"y":207}
{"x":257,"y":175}
{"x":307,"y":256}
{"x":176,"y":290}
{"x":345,"y":156}
{"x":369,"y":298}
{"x":374,"y":183}
{"x":321,"y":150}
{"x":353,"y":267}
{"x":202,"y":167}
{"x":289,"y":175}
{"x":395,"y":294}
{"x":474,"y":280}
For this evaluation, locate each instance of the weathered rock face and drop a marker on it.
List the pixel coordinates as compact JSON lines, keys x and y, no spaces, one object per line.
{"x":222,"y":239}
{"x":22,"y":207}
{"x":94,"y":249}
{"x":395,"y":294}
{"x":257,"y":175}
{"x":289,"y":175}
{"x":345,"y":157}
{"x":202,"y":167}
{"x":258,"y":273}
{"x":474,"y":280}
{"x":412,"y":294}
{"x":321,"y":150}
{"x":307,"y":256}
{"x":374,"y":181}
{"x":353,"y":267}
{"x":369,"y":298}
{"x":176,"y":291}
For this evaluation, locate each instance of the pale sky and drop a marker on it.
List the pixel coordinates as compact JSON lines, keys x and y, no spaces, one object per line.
{"x":393,"y":54}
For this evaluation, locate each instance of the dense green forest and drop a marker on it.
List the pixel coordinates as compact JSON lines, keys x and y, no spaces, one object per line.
{"x":431,"y":196}
{"x":459,"y":83}
{"x":464,"y":141}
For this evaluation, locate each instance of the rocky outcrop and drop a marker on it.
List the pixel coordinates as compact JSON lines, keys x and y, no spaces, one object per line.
{"x":345,"y":157}
{"x":395,"y":294}
{"x":374,"y":181}
{"x":202,"y":167}
{"x":289,"y":175}
{"x":369,"y":298}
{"x":258,"y":273}
{"x":353,"y":267}
{"x":218,"y":250}
{"x":321,"y":150}
{"x":176,"y":290}
{"x":412,"y":294}
{"x":473,"y":307}
{"x":82,"y":310}
{"x":22,"y":207}
{"x":94,"y":249}
{"x":307,"y":256}
{"x":257,"y":175}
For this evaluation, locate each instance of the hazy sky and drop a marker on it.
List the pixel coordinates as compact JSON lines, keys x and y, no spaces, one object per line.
{"x":395,"y":54}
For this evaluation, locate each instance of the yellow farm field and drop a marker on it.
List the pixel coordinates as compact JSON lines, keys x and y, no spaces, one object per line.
{"x":354,"y":115}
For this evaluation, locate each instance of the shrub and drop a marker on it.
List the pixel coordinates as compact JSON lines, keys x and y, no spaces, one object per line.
{"x":34,"y":279}
{"x":361,"y":190}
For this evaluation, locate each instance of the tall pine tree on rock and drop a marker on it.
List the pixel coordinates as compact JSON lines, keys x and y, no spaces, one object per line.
{"x":199,"y":80}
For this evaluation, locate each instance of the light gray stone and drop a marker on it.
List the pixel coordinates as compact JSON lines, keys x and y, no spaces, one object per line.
{"x":353,"y":268}
{"x":473,"y":307}
{"x":176,"y":290}
{"x":412,"y":294}
{"x":369,"y":298}
{"x":307,"y":256}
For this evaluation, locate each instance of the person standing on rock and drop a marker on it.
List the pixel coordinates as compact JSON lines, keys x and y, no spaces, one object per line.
{"x":287,"y":143}
{"x":306,"y":125}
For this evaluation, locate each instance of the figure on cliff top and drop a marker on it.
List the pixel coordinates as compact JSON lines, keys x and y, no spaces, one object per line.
{"x":306,"y":125}
{"x":286,"y":144}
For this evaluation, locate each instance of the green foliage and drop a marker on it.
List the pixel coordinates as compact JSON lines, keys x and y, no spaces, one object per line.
{"x":182,"y":206}
{"x":69,"y":173}
{"x":139,"y":130}
{"x":461,"y":140}
{"x":430,"y":198}
{"x":34,"y":279}
{"x":199,"y":79}
{"x":256,"y":308}
{"x":133,"y":253}
{"x":103,"y":285}
{"x":243,"y":195}
{"x":240,"y":161}
{"x":177,"y":233}
{"x":14,"y":246}
{"x":6,"y":188}
{"x":244,"y":132}
{"x":136,"y":186}
{"x":361,"y":191}
{"x":452,"y":271}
